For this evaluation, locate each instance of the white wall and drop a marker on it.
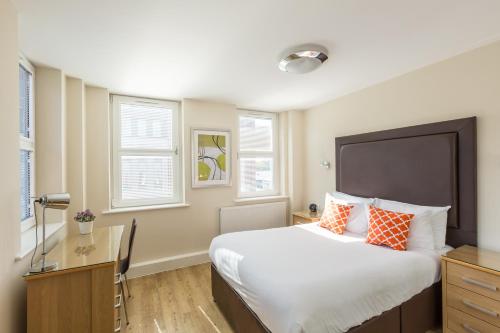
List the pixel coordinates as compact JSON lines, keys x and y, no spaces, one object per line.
{"x":463,"y":86}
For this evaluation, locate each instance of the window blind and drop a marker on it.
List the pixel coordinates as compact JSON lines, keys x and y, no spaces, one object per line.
{"x":27,"y":146}
{"x":25,"y":185}
{"x":147,"y":177}
{"x":145,"y":127}
{"x":145,"y":152}
{"x":24,"y":101}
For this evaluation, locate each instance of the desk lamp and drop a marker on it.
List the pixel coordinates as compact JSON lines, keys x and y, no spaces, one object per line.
{"x":52,"y":201}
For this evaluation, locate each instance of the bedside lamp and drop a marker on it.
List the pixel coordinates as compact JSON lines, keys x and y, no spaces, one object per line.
{"x":52,"y":201}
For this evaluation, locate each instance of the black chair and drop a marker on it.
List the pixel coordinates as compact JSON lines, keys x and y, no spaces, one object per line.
{"x":125,"y":265}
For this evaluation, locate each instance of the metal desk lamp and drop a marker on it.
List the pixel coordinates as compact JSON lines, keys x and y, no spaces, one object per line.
{"x":53,"y":201}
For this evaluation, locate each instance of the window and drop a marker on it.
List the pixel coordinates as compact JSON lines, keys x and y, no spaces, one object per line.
{"x":258,"y":162}
{"x":146,"y":156}
{"x":26,"y":142}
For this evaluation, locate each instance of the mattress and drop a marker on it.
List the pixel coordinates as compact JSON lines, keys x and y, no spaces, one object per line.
{"x":307,"y":279}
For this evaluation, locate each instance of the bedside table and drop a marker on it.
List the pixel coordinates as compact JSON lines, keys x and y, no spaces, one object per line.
{"x":305,"y":217}
{"x":471,"y":290}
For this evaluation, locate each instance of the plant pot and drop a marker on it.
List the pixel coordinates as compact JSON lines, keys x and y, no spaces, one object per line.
{"x":86,"y":227}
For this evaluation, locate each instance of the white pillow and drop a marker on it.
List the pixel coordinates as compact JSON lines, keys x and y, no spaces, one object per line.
{"x":425,"y":216}
{"x":358,"y":219}
{"x":439,"y":225}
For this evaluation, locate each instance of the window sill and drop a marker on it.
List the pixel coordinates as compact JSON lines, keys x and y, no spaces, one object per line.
{"x":143,"y":208}
{"x":271,"y":198}
{"x":28,"y":238}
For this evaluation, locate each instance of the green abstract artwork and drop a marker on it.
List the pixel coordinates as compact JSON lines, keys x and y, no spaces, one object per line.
{"x":212,"y":162}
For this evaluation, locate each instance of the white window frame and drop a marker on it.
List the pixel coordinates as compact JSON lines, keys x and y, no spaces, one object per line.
{"x":29,"y":143}
{"x":117,"y":152}
{"x":274,"y":154}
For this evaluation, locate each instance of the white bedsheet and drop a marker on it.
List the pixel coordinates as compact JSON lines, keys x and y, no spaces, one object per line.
{"x":307,"y":279}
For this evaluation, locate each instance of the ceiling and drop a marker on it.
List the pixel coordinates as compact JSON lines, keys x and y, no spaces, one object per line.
{"x":228,"y":50}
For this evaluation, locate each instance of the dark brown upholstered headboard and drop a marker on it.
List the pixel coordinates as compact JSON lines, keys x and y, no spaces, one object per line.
{"x":432,"y":165}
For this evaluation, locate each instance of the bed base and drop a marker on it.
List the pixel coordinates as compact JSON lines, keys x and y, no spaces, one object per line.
{"x":237,"y":313}
{"x":417,"y":315}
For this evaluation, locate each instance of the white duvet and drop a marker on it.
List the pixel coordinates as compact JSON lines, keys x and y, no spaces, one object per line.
{"x":307,"y":279}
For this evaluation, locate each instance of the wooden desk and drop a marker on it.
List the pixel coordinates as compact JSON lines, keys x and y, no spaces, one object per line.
{"x":81,"y":294}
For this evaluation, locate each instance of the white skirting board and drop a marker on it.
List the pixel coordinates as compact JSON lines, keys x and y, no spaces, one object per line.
{"x":252,"y":217}
{"x":167,"y":264}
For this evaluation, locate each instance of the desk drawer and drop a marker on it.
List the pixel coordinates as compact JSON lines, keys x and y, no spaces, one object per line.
{"x":474,"y":280}
{"x":460,"y":322}
{"x":476,"y":305}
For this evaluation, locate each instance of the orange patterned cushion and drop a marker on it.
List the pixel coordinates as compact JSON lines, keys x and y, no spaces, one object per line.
{"x":388,"y":228}
{"x":335,"y":217}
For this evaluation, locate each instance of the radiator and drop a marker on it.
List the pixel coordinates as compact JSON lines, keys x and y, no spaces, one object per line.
{"x":252,"y":217}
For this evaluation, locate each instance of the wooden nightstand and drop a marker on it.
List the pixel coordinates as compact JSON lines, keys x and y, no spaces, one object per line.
{"x":471,"y":291}
{"x":305,"y":217}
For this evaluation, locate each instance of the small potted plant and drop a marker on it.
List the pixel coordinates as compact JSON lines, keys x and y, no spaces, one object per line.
{"x":85,"y":221}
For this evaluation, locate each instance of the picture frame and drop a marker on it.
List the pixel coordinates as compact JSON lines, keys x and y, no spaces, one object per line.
{"x":211,"y":157}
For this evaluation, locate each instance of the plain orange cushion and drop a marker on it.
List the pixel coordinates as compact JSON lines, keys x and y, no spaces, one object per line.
{"x":335,"y":217}
{"x":388,"y":228}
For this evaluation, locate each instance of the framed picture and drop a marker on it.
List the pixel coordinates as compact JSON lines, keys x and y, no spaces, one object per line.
{"x":211,"y":157}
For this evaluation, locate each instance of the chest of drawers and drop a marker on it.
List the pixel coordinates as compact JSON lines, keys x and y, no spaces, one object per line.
{"x":471,"y":291}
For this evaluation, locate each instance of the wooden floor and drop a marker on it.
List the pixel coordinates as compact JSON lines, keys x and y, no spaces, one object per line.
{"x":175,"y":301}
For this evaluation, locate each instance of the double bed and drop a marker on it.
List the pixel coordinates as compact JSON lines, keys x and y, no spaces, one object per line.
{"x":308,"y":279}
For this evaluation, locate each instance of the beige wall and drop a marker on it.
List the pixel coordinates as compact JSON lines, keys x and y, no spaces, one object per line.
{"x":50,"y":132}
{"x":463,"y":86}
{"x":163,"y":234}
{"x":12,"y":286}
{"x":11,"y":312}
{"x":295,"y":160}
{"x":76,"y":148}
{"x":97,"y":149}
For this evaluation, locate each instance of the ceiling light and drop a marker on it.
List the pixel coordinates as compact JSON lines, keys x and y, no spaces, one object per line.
{"x":303,"y":59}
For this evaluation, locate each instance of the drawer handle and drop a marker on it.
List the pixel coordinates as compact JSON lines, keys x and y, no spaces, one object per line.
{"x":119,"y":303}
{"x":480,"y":308}
{"x":118,"y":277}
{"x":479,"y":283}
{"x":118,"y":327}
{"x":469,"y":329}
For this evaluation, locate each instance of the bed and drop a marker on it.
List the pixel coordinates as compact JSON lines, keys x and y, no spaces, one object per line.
{"x":267,"y":280}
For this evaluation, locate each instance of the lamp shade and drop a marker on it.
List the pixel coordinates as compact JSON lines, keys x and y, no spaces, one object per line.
{"x":55,"y":201}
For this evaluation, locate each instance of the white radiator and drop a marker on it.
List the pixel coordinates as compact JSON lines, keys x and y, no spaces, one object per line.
{"x":252,"y":217}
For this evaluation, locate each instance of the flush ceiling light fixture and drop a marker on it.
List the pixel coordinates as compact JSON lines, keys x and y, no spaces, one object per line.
{"x":303,"y":59}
